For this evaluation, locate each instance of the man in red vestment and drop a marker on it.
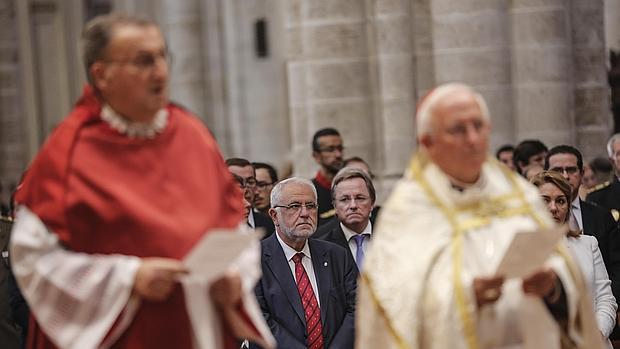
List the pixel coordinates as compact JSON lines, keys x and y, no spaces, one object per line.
{"x":121,"y":191}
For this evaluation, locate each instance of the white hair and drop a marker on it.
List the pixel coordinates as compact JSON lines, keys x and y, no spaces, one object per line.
{"x":276,"y":193}
{"x":427,"y":105}
{"x":610,"y":144}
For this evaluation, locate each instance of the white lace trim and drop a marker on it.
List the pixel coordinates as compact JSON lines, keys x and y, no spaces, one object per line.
{"x":134,"y":129}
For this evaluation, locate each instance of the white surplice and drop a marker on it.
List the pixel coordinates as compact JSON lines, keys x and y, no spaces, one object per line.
{"x":416,"y":290}
{"x":79,"y":296}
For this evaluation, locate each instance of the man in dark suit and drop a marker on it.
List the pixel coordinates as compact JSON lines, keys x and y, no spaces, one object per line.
{"x":608,"y":195}
{"x":327,"y":151}
{"x":353,"y":195}
{"x":9,"y":331}
{"x":244,"y":169}
{"x":585,"y":216}
{"x":307,"y":290}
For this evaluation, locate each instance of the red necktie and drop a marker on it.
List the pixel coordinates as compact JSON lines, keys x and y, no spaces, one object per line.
{"x":310,"y":304}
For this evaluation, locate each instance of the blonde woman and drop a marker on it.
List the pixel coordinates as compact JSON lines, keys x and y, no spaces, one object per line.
{"x":556,"y":192}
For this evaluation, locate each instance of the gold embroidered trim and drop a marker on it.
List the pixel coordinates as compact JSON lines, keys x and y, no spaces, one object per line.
{"x":482,"y":213}
{"x":399,"y":339}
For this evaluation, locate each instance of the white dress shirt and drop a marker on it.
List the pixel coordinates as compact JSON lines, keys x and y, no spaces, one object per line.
{"x":349,"y":234}
{"x":306,"y":261}
{"x":575,"y":220}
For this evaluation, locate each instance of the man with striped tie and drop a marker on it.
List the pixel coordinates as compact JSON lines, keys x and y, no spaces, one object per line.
{"x":307,"y":291}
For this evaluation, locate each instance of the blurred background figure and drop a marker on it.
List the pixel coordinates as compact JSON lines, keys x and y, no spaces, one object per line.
{"x":527,"y":153}
{"x":266,"y":178}
{"x":505,"y":154}
{"x":556,"y":192}
{"x":598,"y":171}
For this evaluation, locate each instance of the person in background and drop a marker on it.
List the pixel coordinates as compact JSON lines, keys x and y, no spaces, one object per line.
{"x":505,"y":154}
{"x":328,"y":152}
{"x":557,"y":193}
{"x":307,"y":291}
{"x":528,"y":153}
{"x":244,"y":169}
{"x":266,"y":178}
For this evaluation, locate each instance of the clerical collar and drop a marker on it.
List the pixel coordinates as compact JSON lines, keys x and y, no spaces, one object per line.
{"x":462,"y":186}
{"x":134,"y":129}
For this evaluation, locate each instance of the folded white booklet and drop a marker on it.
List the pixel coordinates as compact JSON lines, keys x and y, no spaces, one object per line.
{"x":528,"y":251}
{"x":213,"y":255}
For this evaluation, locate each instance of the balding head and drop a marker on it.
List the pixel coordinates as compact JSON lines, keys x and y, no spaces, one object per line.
{"x":424,"y":115}
{"x":453,"y":129}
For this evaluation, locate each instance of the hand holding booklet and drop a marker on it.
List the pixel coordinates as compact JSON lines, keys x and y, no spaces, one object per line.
{"x":216,"y":252}
{"x":220,"y":252}
{"x":528,"y":251}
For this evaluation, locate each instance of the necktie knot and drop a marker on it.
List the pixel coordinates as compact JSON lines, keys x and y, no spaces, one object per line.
{"x":297,"y":258}
{"x":359,"y":240}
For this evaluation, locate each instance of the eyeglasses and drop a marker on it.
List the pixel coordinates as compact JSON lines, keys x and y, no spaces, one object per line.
{"x":295,"y":207}
{"x":263,"y":185}
{"x":145,"y":60}
{"x":332,"y":149}
{"x":347,"y":200}
{"x":249,"y":183}
{"x":571,"y":170}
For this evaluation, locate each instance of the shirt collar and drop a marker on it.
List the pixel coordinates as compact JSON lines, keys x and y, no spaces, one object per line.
{"x":323,"y":181}
{"x":576,"y":205}
{"x":289,"y":252}
{"x":251,"y":220}
{"x":348,"y":233}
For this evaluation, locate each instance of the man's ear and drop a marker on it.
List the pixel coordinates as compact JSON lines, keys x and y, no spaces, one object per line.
{"x":317,"y":157}
{"x":274,"y":216}
{"x":426,"y":140}
{"x":98,"y":73}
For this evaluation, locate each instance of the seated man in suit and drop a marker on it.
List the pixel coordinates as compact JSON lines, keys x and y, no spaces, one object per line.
{"x":307,"y":291}
{"x":354,"y":196}
{"x":244,"y":169}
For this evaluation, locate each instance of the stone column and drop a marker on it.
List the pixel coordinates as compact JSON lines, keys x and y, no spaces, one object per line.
{"x":328,"y":77}
{"x":350,"y":65}
{"x":392,"y":75}
{"x":13,"y":145}
{"x":593,"y":119}
{"x":542,"y":71}
{"x":469,"y":44}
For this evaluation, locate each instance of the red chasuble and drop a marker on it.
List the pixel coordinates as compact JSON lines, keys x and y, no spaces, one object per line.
{"x":102,"y":192}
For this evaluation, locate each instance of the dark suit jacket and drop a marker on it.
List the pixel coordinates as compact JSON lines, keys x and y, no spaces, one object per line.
{"x":599,"y":222}
{"x":263,"y":221}
{"x":332,"y":232}
{"x":277,"y":294}
{"x":607,"y":197}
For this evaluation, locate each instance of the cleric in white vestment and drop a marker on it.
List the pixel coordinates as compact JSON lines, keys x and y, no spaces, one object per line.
{"x":429,"y":278}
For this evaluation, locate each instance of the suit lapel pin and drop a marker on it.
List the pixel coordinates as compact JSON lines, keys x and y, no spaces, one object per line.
{"x":325,"y":264}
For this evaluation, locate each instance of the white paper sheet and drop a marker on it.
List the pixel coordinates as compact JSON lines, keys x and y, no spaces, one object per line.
{"x":214,"y":254}
{"x":528,"y":251}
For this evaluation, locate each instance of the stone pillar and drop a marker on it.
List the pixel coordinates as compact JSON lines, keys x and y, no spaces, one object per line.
{"x":13,"y":147}
{"x":542,"y":71}
{"x":350,"y":65}
{"x":392,"y":89}
{"x":328,"y":77}
{"x":470,"y":44}
{"x":593,"y":118}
